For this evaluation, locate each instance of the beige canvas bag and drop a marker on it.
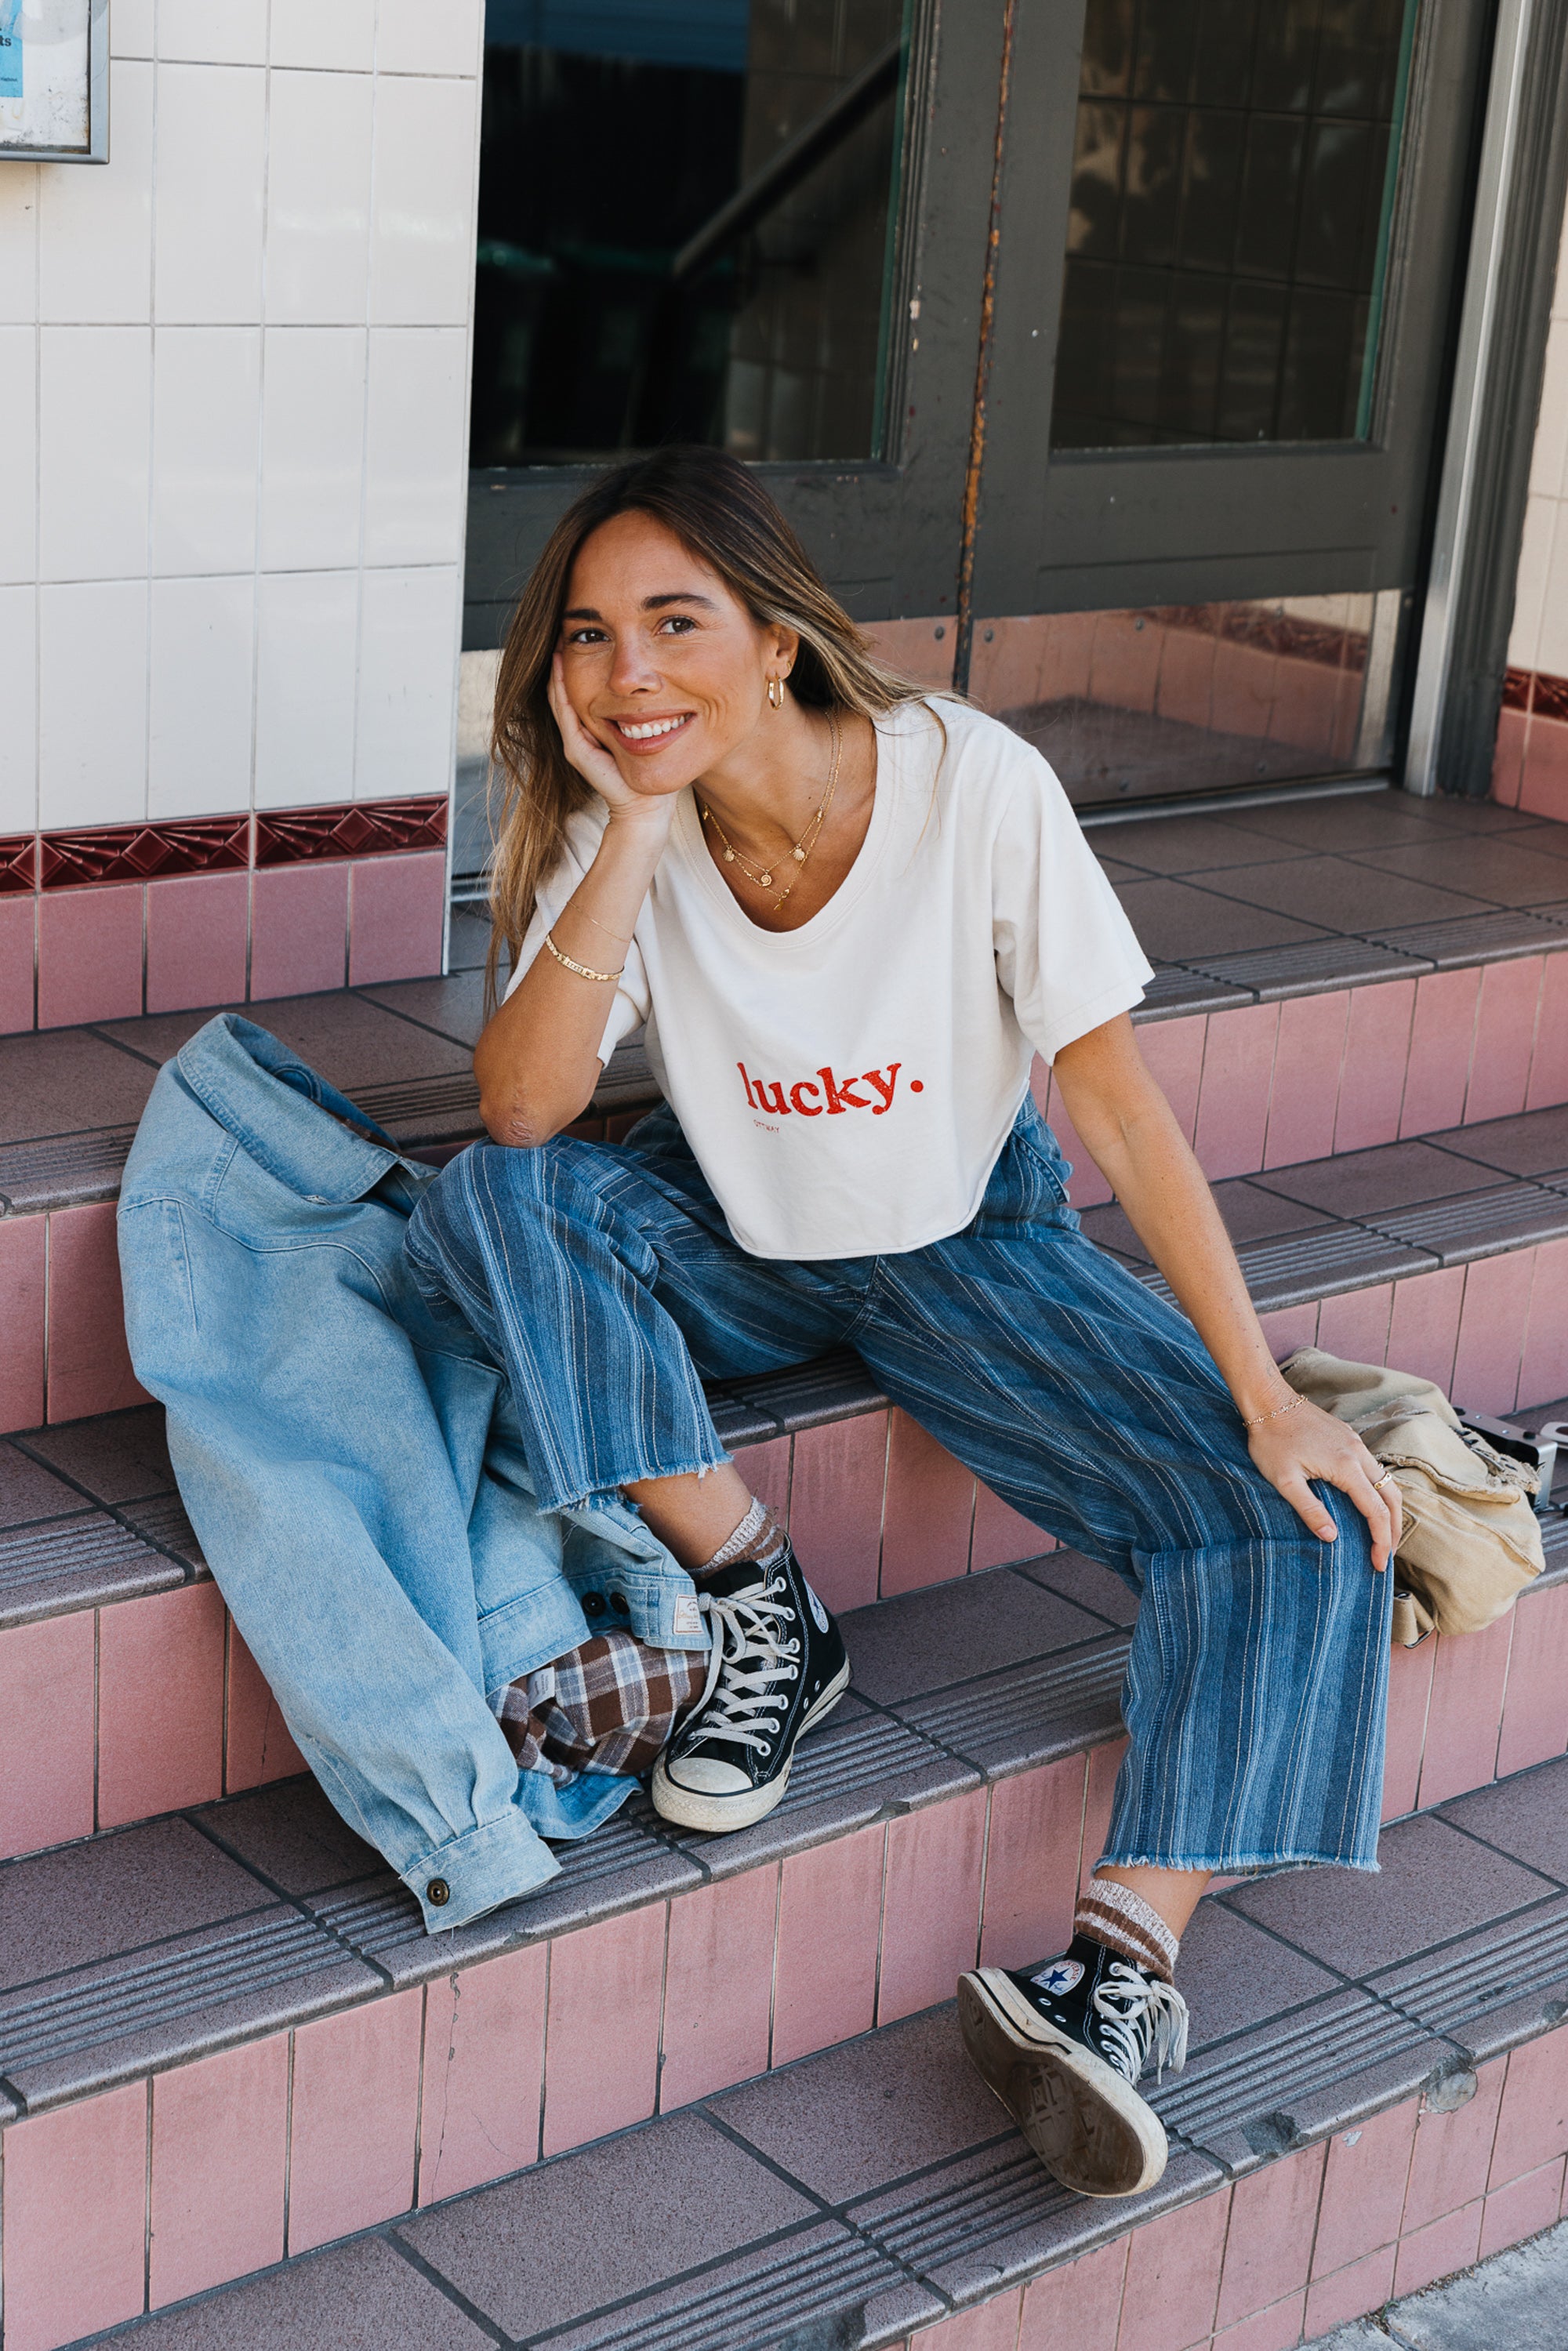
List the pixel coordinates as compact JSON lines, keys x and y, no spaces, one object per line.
{"x":1471,"y":1540}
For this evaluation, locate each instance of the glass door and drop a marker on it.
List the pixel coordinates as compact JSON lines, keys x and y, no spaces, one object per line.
{"x":1224,"y":300}
{"x":711,"y":220}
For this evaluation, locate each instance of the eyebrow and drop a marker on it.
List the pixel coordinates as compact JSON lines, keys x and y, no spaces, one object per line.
{"x":650,"y":604}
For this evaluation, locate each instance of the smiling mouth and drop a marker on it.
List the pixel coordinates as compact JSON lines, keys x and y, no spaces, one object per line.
{"x":650,"y":734}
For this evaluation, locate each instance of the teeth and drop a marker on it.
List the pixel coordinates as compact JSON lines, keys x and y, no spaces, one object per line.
{"x":650,"y":727}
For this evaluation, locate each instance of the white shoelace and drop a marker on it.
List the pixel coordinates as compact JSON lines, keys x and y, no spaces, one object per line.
{"x":1133,"y":2004}
{"x":746,"y":1630}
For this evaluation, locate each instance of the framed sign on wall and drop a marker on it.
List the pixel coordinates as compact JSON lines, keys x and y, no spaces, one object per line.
{"x":54,"y":81}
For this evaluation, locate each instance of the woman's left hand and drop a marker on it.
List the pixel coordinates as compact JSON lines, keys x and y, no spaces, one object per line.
{"x":1306,"y":1443}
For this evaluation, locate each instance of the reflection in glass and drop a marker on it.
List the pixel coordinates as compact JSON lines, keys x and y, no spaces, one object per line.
{"x":1201,"y":697}
{"x":684,"y":211}
{"x":1227,"y":245}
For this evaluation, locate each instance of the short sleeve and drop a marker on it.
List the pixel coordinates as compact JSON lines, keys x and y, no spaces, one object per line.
{"x":1066,"y":953}
{"x":629,"y":1008}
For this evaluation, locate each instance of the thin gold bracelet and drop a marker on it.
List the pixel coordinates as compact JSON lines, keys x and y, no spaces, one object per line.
{"x":1279,"y":1413}
{"x":582,"y":969}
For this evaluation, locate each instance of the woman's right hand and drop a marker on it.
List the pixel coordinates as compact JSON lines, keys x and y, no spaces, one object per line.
{"x":597,"y":767}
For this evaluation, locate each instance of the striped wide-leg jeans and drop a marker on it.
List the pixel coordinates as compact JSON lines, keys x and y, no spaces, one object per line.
{"x":606,"y":1280}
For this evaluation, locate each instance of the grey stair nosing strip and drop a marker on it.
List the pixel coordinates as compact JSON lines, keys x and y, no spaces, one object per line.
{"x":118,"y":2007}
{"x":1276,"y":2063}
{"x":783,"y":2293}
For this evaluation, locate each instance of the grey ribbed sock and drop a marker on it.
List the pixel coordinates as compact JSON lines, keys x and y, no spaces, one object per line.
{"x":759,"y":1536}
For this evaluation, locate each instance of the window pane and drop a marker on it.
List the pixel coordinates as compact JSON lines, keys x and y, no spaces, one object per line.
{"x":685,"y":214}
{"x":1242,"y":151}
{"x":1198,"y":697}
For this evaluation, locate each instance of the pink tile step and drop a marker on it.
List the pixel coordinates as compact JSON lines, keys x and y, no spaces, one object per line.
{"x":196,"y":929}
{"x":74,"y":2219}
{"x":46,"y":1679}
{"x":89,"y":1364}
{"x":397,"y":914}
{"x":89,"y":955}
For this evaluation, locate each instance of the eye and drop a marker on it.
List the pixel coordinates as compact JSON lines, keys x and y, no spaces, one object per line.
{"x":585,"y":635}
{"x":679,"y":623}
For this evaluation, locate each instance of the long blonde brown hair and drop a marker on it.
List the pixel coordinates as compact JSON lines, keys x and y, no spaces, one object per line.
{"x":722,"y":513}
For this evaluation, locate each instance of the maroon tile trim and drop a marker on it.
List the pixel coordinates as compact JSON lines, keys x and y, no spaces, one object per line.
{"x":141,"y":852}
{"x":1550,"y":699}
{"x":364,"y":829}
{"x":1516,"y":683}
{"x":19,"y":862}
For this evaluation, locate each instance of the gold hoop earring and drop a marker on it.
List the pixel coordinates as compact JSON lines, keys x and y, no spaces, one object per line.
{"x":776,"y":692}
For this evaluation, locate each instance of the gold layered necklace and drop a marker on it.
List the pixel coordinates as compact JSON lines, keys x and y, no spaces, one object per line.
{"x":763,"y":875}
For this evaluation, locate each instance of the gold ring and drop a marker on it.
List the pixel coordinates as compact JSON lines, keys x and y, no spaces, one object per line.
{"x":1385,"y":1478}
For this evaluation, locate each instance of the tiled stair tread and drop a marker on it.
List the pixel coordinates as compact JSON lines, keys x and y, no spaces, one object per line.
{"x":62,"y":1170}
{"x":284,"y":1842}
{"x":1028,"y":1713}
{"x":1270,"y":2089}
{"x":423,"y":1112}
{"x":1520,"y":1967}
{"x":876,"y":2187}
{"x":1476,"y":938}
{"x":1478,"y":1224}
{"x":330,"y":1903}
{"x":1307,"y":966}
{"x":60,"y":1565}
{"x":96,"y":2025}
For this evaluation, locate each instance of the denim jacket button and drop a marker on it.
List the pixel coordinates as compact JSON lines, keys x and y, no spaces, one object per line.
{"x":621,"y":1605}
{"x":593,"y":1604}
{"x":438,"y":1893}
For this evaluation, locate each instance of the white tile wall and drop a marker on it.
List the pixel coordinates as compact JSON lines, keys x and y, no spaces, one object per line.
{"x":211,"y":172}
{"x":406,"y":705}
{"x":19,"y":438}
{"x":95,"y":412}
{"x":92,"y":702}
{"x":318,"y":197}
{"x":215,"y":32}
{"x":416,"y":419}
{"x":206,"y":428}
{"x":1539,"y":638}
{"x":313,"y":448}
{"x":18,"y":244}
{"x":199,"y":733}
{"x":337,"y":34}
{"x":234,"y":373}
{"x":305,"y":685}
{"x":422,"y":235}
{"x":19,"y":700}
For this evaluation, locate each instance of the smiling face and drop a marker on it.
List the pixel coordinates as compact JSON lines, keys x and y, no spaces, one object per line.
{"x":662,"y":662}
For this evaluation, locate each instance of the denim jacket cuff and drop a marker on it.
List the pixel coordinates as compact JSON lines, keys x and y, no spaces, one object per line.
{"x":478,"y":1871}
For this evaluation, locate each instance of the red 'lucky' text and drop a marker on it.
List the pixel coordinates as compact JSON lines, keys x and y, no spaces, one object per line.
{"x":823,"y":1094}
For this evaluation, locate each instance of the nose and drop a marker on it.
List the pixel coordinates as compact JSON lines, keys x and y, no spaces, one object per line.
{"x":632,"y":669}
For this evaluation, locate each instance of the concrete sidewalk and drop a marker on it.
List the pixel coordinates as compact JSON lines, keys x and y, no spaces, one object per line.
{"x":1516,"y":2302}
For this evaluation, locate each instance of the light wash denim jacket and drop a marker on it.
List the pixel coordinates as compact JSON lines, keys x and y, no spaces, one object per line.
{"x":350,"y":1459}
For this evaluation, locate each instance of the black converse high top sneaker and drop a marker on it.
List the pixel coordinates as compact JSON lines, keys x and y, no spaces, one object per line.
{"x":776,"y":1666}
{"x":1064,"y":2047}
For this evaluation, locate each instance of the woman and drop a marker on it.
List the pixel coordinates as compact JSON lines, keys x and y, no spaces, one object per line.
{"x":850,"y":916}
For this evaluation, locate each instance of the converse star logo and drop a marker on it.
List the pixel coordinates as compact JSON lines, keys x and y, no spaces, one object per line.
{"x":1059,"y":1977}
{"x":819,"y":1614}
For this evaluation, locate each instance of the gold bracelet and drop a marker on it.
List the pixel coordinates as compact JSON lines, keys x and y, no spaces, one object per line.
{"x":582,"y":969}
{"x":605,"y":928}
{"x":1278,"y":1414}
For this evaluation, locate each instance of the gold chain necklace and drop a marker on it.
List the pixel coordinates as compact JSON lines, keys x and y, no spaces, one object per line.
{"x":762,"y":876}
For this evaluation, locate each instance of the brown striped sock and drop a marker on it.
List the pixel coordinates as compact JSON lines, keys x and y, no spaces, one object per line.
{"x":1112,"y":1914}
